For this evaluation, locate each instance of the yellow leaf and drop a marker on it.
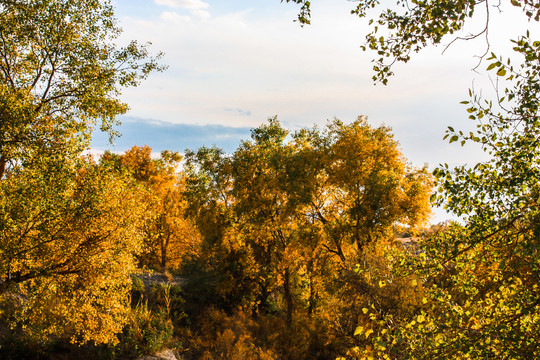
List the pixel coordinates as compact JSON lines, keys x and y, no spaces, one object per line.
{"x":359,"y":330}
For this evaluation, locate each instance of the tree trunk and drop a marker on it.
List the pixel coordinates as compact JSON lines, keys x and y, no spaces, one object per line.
{"x":164,"y":244}
{"x":262,"y":306}
{"x":3,"y":162}
{"x":288,"y":296}
{"x":311,"y":301}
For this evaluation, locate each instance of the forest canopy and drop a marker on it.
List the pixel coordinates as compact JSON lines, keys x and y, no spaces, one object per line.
{"x":481,"y":297}
{"x":307,"y":244}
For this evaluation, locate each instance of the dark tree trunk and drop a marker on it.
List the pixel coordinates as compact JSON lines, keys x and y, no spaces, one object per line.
{"x":3,"y":162}
{"x":288,"y":296}
{"x":312,"y":300}
{"x":164,"y":245}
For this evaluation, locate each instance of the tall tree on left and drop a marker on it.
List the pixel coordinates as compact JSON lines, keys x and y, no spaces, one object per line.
{"x":68,"y":227}
{"x":60,"y":75}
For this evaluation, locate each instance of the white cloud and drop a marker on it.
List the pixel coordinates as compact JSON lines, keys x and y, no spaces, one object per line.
{"x":195,"y":7}
{"x":186,"y":4}
{"x":258,"y":59}
{"x":201,"y":14}
{"x":171,"y":16}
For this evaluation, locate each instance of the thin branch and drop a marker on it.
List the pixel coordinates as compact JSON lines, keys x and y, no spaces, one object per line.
{"x":485,"y":32}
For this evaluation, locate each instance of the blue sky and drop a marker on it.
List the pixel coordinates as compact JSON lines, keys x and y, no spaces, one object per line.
{"x":235,"y":63}
{"x":161,"y":135}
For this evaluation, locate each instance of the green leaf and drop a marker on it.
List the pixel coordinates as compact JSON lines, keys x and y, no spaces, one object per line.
{"x":501,"y":72}
{"x":453,"y":138}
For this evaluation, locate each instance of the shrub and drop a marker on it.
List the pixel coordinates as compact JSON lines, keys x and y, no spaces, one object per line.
{"x":145,"y":333}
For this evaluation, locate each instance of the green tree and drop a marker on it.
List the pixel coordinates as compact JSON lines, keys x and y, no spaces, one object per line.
{"x":60,"y":75}
{"x":404,"y":27}
{"x":480,"y":288}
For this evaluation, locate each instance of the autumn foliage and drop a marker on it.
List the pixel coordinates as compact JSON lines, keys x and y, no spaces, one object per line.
{"x":293,"y":229}
{"x":287,"y":248}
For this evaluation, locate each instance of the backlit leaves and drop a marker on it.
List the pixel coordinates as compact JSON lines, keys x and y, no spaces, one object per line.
{"x":61,"y":75}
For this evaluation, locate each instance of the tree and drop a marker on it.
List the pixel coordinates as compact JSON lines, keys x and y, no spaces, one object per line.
{"x":298,"y":215}
{"x":406,"y":27}
{"x":480,"y":290}
{"x":66,"y":249}
{"x":479,"y":279}
{"x":67,"y":237}
{"x":370,"y":186}
{"x":168,"y":234}
{"x":60,"y":75}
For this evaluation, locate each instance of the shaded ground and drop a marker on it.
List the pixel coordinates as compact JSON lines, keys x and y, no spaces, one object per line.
{"x":151,"y":278}
{"x":166,"y":354}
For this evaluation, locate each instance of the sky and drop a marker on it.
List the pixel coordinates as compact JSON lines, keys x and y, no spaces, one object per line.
{"x":233,"y":64}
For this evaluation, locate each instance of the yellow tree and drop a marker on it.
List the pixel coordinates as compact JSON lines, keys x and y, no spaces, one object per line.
{"x":304,"y":212}
{"x":366,"y":188}
{"x":370,"y":188}
{"x":67,"y":239}
{"x":66,"y":249}
{"x":168,"y":233}
{"x":266,"y":217}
